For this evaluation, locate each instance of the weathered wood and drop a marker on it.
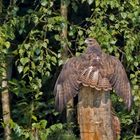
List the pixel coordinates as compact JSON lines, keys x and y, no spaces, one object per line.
{"x":94,"y":115}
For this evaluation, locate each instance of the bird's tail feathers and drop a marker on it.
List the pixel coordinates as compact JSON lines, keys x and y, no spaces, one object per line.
{"x":91,"y":77}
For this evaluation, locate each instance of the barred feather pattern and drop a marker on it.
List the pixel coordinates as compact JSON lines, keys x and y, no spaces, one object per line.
{"x":94,"y":69}
{"x":116,"y":125}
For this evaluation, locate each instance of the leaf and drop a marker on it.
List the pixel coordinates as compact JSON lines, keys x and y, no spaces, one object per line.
{"x":20,"y":69}
{"x":53,"y":59}
{"x":90,"y":2}
{"x":20,"y":31}
{"x":136,"y":64}
{"x":116,"y":26}
{"x":57,"y":37}
{"x":47,"y":73}
{"x":110,"y":49}
{"x":21,"y":51}
{"x":74,"y":6}
{"x":24,"y":60}
{"x":60,"y":62}
{"x":83,"y":1}
{"x":136,"y":87}
{"x":124,"y":15}
{"x":30,"y":78}
{"x":112,"y":17}
{"x":132,"y":76}
{"x":59,"y":125}
{"x":49,"y":66}
{"x":44,"y":2}
{"x":43,"y":123}
{"x":80,"y":32}
{"x":33,"y":65}
{"x":37,"y":51}
{"x":7,"y":44}
{"x":97,"y":2}
{"x":34,"y":118}
{"x":26,"y":69}
{"x":26,"y":46}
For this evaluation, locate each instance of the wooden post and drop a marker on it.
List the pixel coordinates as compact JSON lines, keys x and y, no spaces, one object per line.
{"x":94,"y":115}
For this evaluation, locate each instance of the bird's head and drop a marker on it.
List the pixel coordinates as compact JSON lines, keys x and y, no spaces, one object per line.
{"x":92,"y":44}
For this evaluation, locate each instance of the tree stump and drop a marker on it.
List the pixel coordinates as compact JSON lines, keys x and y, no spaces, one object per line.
{"x":94,"y":115}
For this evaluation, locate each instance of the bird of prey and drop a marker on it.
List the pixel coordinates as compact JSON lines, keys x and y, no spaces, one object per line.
{"x":95,"y":69}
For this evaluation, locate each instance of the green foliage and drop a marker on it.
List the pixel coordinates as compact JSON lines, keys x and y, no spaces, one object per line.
{"x":32,"y":35}
{"x":62,"y":135}
{"x":38,"y":130}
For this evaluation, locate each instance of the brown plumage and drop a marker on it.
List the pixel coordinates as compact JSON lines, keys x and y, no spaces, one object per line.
{"x":95,"y":69}
{"x":116,"y":125}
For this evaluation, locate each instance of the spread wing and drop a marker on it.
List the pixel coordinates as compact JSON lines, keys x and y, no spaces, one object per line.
{"x":66,"y":86}
{"x":121,"y":83}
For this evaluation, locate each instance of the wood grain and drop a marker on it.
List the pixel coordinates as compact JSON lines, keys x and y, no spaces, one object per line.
{"x":94,"y":115}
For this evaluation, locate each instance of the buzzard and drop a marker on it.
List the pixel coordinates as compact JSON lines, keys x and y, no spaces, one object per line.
{"x":94,"y":69}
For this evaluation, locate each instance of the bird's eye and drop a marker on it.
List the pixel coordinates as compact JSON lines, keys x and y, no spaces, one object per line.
{"x":90,"y":40}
